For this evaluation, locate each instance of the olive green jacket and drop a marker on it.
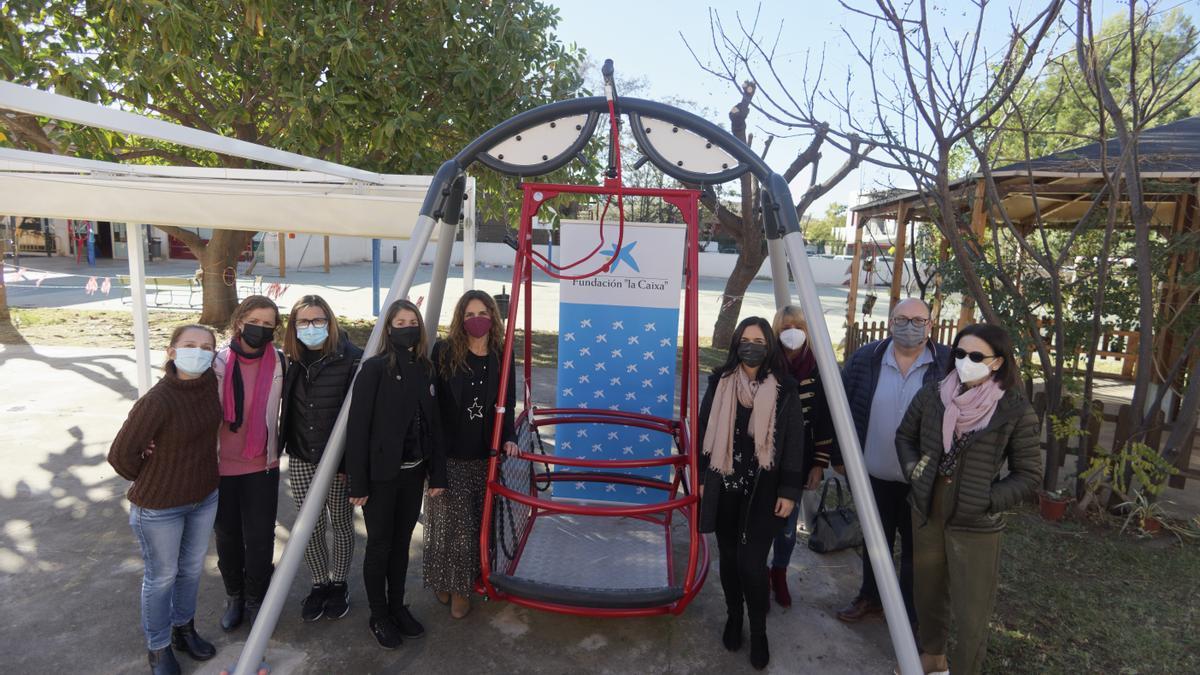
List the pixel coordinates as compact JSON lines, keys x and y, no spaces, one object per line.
{"x":980,"y":493}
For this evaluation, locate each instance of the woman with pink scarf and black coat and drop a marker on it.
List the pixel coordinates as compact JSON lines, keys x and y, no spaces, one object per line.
{"x":250,"y":381}
{"x":956,"y":438}
{"x":751,"y":472}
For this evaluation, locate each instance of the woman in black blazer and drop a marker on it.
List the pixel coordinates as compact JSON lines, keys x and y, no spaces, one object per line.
{"x":468,"y":375}
{"x":393,"y":445}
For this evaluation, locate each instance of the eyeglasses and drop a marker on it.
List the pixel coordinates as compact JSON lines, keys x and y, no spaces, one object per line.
{"x":314,"y":323}
{"x":916,"y":321}
{"x":977,"y":357}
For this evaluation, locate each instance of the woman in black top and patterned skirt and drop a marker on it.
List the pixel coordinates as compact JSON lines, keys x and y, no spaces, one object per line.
{"x":467,"y":363}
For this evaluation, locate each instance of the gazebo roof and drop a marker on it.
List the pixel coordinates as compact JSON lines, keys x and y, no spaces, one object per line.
{"x":1066,"y":181}
{"x":1167,"y":151}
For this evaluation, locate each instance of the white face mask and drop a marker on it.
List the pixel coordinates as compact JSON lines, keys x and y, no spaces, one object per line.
{"x":793,"y":338}
{"x":193,"y":360}
{"x":969,"y":371}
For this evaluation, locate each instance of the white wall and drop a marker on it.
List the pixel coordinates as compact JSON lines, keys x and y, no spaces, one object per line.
{"x":342,"y":250}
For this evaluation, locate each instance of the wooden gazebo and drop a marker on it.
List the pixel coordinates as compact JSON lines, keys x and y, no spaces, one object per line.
{"x":1064,"y":184}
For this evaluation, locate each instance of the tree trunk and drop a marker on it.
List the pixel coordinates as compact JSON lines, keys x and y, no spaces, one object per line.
{"x":219,"y":259}
{"x":749,"y":261}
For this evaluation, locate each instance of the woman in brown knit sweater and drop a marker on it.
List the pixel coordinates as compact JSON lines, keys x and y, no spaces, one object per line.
{"x":168,"y":448}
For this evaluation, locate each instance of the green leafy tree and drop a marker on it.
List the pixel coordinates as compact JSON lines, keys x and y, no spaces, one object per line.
{"x":821,"y":232}
{"x":384,"y":86}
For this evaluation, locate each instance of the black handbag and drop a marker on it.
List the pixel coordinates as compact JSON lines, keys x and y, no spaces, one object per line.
{"x":834,"y":529}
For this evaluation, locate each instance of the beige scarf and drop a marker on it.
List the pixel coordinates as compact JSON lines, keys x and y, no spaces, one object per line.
{"x":760,"y":397}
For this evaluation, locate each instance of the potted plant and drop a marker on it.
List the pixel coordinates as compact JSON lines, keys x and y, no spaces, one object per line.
{"x":1148,"y":515}
{"x":1053,"y":503}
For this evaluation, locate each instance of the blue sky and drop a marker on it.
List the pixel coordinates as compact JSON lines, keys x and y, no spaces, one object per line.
{"x":646,"y":40}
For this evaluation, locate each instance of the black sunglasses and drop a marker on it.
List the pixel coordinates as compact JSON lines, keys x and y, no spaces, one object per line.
{"x":977,"y":357}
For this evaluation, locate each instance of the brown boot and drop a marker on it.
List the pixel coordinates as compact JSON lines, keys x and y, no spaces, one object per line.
{"x":861,"y":608}
{"x":779,"y":586}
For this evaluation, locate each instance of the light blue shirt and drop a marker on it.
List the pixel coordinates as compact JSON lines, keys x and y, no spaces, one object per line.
{"x":893,"y":393}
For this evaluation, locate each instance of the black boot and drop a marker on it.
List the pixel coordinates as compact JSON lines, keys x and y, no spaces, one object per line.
{"x":162,"y":662}
{"x":185,"y":639}
{"x":252,"y":607}
{"x":235,"y":607}
{"x":760,"y":654}
{"x":732,"y":637}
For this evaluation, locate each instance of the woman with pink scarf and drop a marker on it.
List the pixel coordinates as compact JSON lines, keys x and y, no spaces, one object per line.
{"x":250,"y":381}
{"x":751,"y":473}
{"x":955,"y":442}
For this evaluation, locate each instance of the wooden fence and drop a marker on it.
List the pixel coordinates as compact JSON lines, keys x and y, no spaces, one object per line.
{"x":1120,"y":427}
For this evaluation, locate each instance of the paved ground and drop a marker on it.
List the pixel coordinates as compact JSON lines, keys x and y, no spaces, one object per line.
{"x":70,"y":571}
{"x":348,"y":289}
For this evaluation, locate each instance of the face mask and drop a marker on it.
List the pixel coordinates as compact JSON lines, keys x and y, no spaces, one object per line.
{"x":404,"y":338}
{"x":257,"y":336}
{"x":193,"y":360}
{"x":969,"y":371}
{"x":793,"y":338}
{"x":752,"y":354}
{"x":908,"y":337}
{"x":313,"y":337}
{"x":478,"y":326}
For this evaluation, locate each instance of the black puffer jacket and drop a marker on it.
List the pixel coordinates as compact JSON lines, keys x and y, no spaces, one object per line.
{"x":980,"y":493}
{"x":312,"y":397}
{"x":785,"y":479}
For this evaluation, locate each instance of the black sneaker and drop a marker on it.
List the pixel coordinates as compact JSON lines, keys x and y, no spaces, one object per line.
{"x":407,"y":623}
{"x":314,"y":605}
{"x":386,"y":633}
{"x":337,"y":604}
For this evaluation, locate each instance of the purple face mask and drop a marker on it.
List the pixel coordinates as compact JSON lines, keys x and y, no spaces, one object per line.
{"x":478,"y":326}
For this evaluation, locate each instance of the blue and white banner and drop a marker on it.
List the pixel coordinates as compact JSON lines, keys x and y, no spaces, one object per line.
{"x":618,"y":348}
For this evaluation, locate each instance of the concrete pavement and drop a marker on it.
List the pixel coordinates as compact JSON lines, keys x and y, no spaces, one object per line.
{"x":70,"y":571}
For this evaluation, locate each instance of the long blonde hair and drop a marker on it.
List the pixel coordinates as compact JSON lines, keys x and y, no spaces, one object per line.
{"x":386,"y":346}
{"x":292,"y":347}
{"x":454,"y":359}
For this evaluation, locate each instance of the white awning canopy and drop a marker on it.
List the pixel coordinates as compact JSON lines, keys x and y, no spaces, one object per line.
{"x":51,"y":186}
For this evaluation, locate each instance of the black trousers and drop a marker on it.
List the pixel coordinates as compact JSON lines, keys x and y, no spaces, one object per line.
{"x":895,"y":515}
{"x":245,"y":529}
{"x":390,"y":513}
{"x":743,"y":563}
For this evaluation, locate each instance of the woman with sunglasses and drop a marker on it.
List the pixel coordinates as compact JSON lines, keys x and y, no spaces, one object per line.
{"x":955,"y":439}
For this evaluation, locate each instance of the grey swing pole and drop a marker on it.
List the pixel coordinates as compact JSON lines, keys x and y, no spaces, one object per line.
{"x":880,"y":554}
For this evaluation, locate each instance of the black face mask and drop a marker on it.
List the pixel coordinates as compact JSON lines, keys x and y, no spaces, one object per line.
{"x":752,"y":353}
{"x":257,"y":336}
{"x":404,"y":338}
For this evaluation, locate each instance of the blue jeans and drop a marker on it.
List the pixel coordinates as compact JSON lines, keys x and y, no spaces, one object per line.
{"x":173,"y":543}
{"x":785,"y":540}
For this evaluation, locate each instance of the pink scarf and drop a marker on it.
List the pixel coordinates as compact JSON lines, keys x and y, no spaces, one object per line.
{"x":256,"y":418}
{"x":968,"y":411}
{"x":760,"y":397}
